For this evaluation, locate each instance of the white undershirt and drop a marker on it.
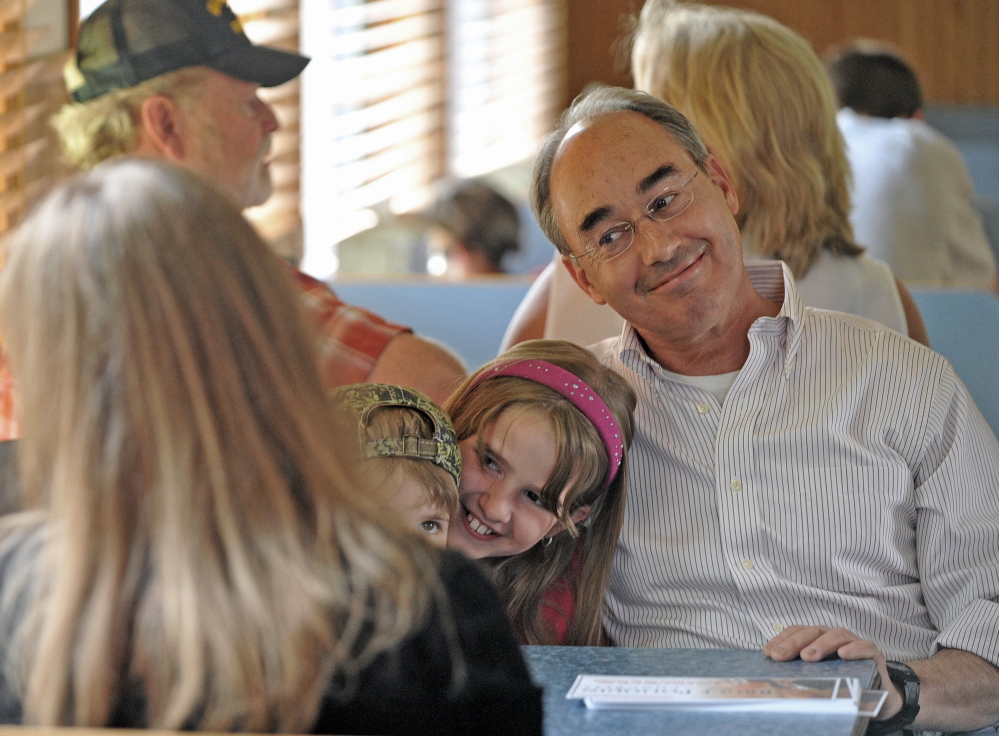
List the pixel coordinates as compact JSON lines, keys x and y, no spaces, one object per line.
{"x":718,"y":386}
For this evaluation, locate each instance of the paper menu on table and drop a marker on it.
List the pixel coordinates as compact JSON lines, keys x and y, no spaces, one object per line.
{"x":788,"y":695}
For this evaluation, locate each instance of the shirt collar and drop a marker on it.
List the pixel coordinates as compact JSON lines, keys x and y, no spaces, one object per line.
{"x":773,"y":280}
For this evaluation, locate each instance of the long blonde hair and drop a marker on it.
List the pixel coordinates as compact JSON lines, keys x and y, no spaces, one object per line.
{"x":758,"y":94}
{"x":200,"y":544}
{"x":580,"y":469}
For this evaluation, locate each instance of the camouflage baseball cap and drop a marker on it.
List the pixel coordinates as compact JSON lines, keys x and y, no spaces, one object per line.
{"x":126,"y":42}
{"x":442,"y":450}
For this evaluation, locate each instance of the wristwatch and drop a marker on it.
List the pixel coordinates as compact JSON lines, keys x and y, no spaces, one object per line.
{"x":906,"y":679}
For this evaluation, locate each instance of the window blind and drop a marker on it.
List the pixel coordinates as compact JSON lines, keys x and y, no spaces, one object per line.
{"x":32,"y":54}
{"x":279,"y":220}
{"x":373,"y":115}
{"x":402,"y":93}
{"x":506,"y":66}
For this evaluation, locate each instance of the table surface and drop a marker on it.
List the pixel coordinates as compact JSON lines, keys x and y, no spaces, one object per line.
{"x":556,"y":668}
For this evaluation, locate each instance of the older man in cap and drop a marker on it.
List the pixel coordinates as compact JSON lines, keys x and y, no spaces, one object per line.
{"x":178,"y":80}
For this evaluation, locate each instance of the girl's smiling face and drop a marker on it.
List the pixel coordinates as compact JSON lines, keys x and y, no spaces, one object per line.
{"x":502,"y":512}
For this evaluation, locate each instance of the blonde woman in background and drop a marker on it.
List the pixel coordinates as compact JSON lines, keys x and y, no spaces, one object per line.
{"x":760,"y":99}
{"x":195,"y":555}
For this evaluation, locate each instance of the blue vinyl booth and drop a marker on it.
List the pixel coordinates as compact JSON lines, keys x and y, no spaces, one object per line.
{"x":469,"y":317}
{"x":964,"y":327}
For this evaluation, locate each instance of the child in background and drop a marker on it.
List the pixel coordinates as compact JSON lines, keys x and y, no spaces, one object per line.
{"x":475,"y":229}
{"x":544,"y":431}
{"x":408,"y":450}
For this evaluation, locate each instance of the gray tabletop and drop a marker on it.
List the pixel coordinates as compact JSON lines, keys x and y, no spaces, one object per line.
{"x":555,"y":669}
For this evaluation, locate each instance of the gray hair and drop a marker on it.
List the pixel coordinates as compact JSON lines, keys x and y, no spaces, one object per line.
{"x":108,"y":126}
{"x":591,"y":104}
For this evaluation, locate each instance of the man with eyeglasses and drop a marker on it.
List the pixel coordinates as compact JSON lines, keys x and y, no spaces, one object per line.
{"x":801,"y":481}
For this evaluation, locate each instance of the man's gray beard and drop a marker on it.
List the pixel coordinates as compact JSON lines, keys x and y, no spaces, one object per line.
{"x":261,"y":189}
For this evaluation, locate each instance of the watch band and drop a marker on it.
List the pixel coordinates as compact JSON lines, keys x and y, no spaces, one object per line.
{"x":907,"y":681}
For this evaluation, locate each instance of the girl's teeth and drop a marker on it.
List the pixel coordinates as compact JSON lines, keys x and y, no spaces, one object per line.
{"x":477,"y":527}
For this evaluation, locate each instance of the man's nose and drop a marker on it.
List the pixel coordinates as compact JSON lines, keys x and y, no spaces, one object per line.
{"x":268,"y":119}
{"x":656,"y":241}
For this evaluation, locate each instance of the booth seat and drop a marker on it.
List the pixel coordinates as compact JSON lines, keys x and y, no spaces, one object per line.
{"x":963,"y":326}
{"x":469,"y":317}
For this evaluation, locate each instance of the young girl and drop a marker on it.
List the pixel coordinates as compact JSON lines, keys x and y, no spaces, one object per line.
{"x":408,"y":453}
{"x":544,"y":431}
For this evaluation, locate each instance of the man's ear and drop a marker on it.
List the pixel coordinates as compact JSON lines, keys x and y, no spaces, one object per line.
{"x":719,"y":177}
{"x":161,"y":129}
{"x":580,"y":277}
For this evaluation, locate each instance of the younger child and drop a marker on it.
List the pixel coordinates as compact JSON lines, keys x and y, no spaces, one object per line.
{"x":408,"y":449}
{"x":544,"y":431}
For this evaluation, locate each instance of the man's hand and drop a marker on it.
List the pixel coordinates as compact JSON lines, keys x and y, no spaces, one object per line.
{"x":813,"y":643}
{"x":959,"y":691}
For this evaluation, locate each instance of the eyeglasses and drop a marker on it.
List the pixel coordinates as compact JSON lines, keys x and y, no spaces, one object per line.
{"x":669,"y":203}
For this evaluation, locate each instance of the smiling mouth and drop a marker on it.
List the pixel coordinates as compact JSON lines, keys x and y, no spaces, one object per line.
{"x":477,"y":526}
{"x":674,"y":268}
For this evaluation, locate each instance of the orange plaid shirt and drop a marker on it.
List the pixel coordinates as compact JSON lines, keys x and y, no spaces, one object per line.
{"x":8,"y":424}
{"x":350,"y":338}
{"x":350,"y":341}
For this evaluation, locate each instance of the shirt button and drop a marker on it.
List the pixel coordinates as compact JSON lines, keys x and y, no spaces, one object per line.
{"x":777,"y":626}
{"x":703,"y":408}
{"x":735,"y":485}
{"x":748,"y":564}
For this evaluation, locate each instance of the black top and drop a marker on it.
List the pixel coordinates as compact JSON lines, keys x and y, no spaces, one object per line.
{"x":405,"y":691}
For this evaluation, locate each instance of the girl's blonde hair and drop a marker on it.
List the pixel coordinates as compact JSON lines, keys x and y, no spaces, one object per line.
{"x":199,"y":543}
{"x":580,"y":470}
{"x":759,"y":96}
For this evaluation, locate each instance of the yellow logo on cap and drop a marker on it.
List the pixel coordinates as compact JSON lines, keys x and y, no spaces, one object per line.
{"x":72,"y":74}
{"x":215,"y":7}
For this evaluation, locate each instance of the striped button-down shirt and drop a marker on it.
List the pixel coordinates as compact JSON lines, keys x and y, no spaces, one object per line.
{"x":847,"y":480}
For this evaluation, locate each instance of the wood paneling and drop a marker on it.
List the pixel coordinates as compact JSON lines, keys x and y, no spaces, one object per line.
{"x":953,"y":44}
{"x":595,"y":29}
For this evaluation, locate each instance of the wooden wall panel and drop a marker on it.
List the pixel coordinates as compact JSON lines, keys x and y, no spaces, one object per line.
{"x":594,"y":31}
{"x":953,"y":44}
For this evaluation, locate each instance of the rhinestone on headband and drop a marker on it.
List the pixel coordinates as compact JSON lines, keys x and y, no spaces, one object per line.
{"x":579,"y":394}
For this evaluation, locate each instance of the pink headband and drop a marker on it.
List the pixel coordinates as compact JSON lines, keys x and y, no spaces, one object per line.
{"x":582,"y":397}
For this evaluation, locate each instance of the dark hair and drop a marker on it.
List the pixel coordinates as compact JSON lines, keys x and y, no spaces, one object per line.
{"x":481,"y":218}
{"x":591,"y":104}
{"x":874,"y":80}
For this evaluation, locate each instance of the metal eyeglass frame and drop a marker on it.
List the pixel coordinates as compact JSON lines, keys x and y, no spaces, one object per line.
{"x":630,"y":227}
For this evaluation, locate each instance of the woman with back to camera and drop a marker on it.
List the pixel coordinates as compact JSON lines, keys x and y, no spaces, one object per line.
{"x":195,"y":554}
{"x":760,"y":99}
